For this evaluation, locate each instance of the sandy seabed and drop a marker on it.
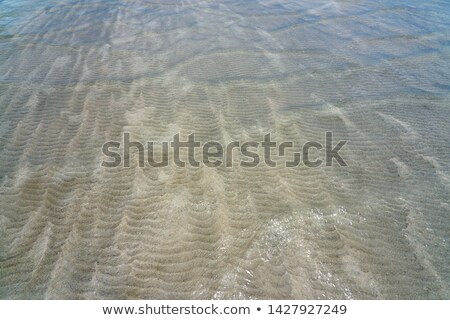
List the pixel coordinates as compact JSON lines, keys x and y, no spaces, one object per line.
{"x":76,"y":74}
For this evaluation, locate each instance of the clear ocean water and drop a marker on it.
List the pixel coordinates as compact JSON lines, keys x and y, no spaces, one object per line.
{"x":76,"y":74}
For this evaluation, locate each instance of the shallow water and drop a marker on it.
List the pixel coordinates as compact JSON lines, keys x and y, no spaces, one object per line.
{"x":76,"y":74}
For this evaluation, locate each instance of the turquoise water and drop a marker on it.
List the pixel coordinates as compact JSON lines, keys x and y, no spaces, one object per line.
{"x":76,"y":74}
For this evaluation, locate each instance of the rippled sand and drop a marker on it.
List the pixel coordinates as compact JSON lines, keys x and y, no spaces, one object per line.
{"x":75,"y":74}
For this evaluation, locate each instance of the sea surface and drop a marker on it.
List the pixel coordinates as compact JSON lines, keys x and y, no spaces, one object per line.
{"x":77,"y":74}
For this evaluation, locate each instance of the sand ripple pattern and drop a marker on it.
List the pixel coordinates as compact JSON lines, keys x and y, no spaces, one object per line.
{"x":75,"y":74}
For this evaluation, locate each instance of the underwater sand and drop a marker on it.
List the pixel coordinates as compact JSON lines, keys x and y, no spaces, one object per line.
{"x":76,"y":74}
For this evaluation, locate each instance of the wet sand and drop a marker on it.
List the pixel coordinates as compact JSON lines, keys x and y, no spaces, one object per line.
{"x":76,"y":74}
